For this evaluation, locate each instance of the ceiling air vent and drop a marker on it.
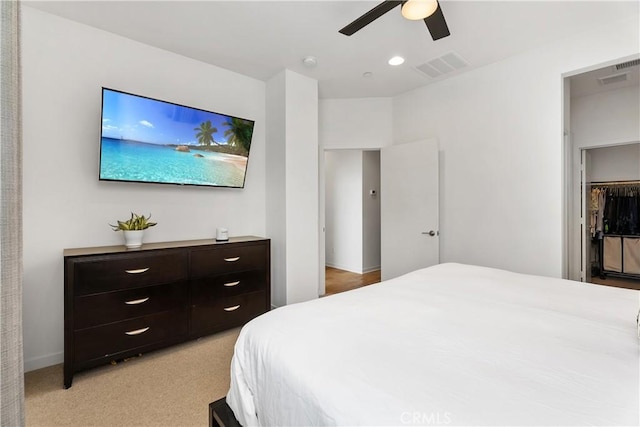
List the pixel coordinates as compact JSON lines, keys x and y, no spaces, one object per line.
{"x":442,"y":65}
{"x":614,"y":78}
{"x":628,"y":64}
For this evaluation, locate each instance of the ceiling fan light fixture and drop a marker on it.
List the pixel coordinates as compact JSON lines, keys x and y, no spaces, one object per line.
{"x":419,"y":9}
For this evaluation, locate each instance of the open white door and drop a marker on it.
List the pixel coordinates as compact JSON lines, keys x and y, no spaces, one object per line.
{"x":409,"y":207}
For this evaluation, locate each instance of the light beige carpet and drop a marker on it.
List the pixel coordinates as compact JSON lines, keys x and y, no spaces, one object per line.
{"x":170,"y":387}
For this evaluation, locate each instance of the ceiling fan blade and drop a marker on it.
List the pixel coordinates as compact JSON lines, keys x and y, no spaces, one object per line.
{"x":437,"y":25}
{"x":370,"y":16}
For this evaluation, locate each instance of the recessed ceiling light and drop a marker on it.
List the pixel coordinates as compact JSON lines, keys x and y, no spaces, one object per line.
{"x":396,"y":60}
{"x":310,"y":61}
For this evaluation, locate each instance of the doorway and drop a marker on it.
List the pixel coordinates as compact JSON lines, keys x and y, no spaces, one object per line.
{"x":602,"y":135}
{"x":400,"y":234}
{"x":351,"y":218}
{"x":612,"y":208}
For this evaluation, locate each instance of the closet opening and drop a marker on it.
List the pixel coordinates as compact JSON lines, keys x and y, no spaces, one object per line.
{"x":612,"y":213}
{"x":601,"y":156}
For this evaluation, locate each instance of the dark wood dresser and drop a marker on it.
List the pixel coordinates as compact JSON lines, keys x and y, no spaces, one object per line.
{"x":121,"y":302}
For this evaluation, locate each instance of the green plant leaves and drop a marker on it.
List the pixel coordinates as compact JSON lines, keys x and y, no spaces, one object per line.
{"x":136,"y":222}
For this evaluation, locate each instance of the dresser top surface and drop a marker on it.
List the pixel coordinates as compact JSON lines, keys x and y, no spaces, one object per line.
{"x":99,"y":250}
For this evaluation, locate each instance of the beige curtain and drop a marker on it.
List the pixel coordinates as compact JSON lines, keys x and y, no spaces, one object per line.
{"x":11,"y":365}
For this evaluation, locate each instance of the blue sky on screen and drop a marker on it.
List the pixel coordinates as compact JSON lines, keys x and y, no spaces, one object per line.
{"x":135,"y":118}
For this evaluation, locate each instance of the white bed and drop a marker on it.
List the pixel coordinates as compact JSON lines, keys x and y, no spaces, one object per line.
{"x":451,"y":344}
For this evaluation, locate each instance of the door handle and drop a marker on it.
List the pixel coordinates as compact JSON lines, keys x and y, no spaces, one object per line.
{"x":431,"y":233}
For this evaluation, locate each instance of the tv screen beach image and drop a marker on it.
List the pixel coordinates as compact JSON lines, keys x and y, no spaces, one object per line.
{"x":148,"y":140}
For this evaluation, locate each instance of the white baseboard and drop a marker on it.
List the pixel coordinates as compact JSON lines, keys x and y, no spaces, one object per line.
{"x":43,"y":361}
{"x":342,"y":267}
{"x":357,"y":271}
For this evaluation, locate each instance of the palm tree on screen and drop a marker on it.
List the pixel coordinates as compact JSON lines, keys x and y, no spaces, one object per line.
{"x":239,"y":134}
{"x":205,"y":133}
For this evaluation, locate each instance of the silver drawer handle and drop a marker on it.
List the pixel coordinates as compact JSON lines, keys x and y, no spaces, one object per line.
{"x":232,"y":284}
{"x":138,"y":271}
{"x":234,"y":259}
{"x":138,"y":331}
{"x":137,"y":301}
{"x":234,"y":308}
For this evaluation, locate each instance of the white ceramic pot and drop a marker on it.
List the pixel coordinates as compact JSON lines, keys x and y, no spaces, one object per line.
{"x":133,"y":238}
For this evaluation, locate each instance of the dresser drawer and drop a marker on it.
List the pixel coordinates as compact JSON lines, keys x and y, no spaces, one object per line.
{"x":104,"y":341}
{"x":206,"y":289}
{"x":220,"y":260}
{"x":226,"y":313}
{"x":100,"y":309}
{"x":129,"y":271}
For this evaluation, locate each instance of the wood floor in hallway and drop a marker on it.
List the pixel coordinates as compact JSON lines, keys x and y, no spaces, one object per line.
{"x":337,"y":281}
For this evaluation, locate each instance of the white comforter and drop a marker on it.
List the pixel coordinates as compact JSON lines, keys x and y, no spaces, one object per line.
{"x":448,"y":345}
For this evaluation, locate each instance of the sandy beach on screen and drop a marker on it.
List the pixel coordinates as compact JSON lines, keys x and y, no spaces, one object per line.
{"x":238,"y":161}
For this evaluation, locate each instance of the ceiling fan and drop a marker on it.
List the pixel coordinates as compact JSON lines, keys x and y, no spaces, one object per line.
{"x":428,"y":10}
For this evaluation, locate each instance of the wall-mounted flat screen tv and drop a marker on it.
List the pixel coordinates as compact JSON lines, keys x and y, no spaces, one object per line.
{"x":148,"y":140}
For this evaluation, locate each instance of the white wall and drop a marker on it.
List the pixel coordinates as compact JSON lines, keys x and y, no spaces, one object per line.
{"x":608,"y":117}
{"x":276,"y":200}
{"x":302,"y":187}
{"x":617,"y":163}
{"x":344,"y":209}
{"x":370,"y":211}
{"x":292,"y":175}
{"x":500,"y":134}
{"x":64,"y":66}
{"x":355,"y":123}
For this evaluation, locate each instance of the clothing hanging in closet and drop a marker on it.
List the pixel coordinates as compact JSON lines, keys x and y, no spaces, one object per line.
{"x":614,"y":210}
{"x":596,"y":210}
{"x":621,"y":210}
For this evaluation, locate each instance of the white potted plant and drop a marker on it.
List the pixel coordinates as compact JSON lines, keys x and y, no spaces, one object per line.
{"x":133,"y":229}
